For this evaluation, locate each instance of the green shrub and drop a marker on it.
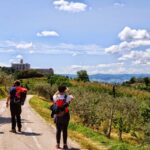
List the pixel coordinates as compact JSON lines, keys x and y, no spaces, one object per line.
{"x":58,"y":80}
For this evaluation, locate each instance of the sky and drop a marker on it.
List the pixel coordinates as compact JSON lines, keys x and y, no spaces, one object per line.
{"x":99,"y":36}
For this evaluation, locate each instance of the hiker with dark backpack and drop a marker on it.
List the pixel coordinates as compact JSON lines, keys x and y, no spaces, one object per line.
{"x":16,"y":98}
{"x":61,"y":102}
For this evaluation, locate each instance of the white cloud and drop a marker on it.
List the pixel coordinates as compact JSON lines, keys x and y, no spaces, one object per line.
{"x":108,"y":68}
{"x":141,"y":62}
{"x":41,"y":48}
{"x":131,"y":39}
{"x":127,"y":46}
{"x":70,"y":49}
{"x":4,"y":64}
{"x":131,"y":55}
{"x":31,"y":51}
{"x":133,"y":50}
{"x":69,"y":6}
{"x":111,"y":65}
{"x":13,"y":47}
{"x":117,"y":4}
{"x":132,"y":34}
{"x":24,"y":45}
{"x":112,"y":68}
{"x":16,"y":59}
{"x":47,"y":33}
{"x":19,"y":57}
{"x":137,"y":57}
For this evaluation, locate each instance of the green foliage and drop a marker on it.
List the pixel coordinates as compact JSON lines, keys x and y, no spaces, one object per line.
{"x":133,"y":80}
{"x":147,"y":81}
{"x":138,"y":83}
{"x":120,"y":147}
{"x":7,"y":70}
{"x":97,"y":108}
{"x":27,"y":74}
{"x":58,"y":80}
{"x":2,"y":92}
{"x":82,"y":76}
{"x":45,"y":90}
{"x":5,"y":80}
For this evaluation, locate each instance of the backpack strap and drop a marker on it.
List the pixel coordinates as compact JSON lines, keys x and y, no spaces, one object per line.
{"x":65,"y":98}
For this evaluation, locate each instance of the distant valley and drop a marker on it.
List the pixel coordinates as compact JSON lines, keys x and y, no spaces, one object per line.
{"x":111,"y":78}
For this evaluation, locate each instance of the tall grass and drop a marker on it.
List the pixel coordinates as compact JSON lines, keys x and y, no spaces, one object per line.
{"x":3,"y":93}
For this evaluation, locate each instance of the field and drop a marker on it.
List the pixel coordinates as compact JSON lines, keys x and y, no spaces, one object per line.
{"x":110,"y":118}
{"x":87,"y":137}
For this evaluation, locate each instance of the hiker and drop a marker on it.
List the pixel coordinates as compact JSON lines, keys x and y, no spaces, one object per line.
{"x":62,"y":117}
{"x":14,"y":99}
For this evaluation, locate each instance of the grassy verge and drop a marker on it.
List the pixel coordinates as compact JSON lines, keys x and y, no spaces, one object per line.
{"x":2,"y":93}
{"x":88,"y":138}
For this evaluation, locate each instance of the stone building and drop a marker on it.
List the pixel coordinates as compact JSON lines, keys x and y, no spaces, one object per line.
{"x":25,"y":66}
{"x":45,"y":71}
{"x":20,"y":66}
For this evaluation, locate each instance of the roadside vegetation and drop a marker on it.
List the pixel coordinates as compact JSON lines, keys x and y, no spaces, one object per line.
{"x":86,"y":136}
{"x":138,"y":83}
{"x":5,"y":82}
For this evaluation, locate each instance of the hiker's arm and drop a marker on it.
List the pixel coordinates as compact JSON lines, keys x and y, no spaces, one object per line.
{"x":71,"y":97}
{"x":68,"y":92}
{"x":56,"y":93}
{"x":7,"y":101}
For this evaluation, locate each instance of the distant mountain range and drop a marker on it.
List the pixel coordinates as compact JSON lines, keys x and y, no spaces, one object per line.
{"x":111,"y":78}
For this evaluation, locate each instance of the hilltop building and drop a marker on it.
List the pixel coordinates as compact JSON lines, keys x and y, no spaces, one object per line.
{"x":45,"y":71}
{"x":20,"y":66}
{"x":26,"y":66}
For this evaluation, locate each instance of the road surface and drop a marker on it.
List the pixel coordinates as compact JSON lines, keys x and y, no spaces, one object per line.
{"x":36,"y":133}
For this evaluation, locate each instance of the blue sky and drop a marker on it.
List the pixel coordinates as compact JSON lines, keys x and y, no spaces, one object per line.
{"x":100,"y":36}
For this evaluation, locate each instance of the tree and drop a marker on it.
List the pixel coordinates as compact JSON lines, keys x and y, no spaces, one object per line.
{"x":127,"y":115}
{"x":5,"y":79}
{"x":82,"y":76}
{"x":133,"y":80}
{"x":58,"y":80}
{"x":112,"y":110}
{"x":27,"y":74}
{"x":147,"y":81}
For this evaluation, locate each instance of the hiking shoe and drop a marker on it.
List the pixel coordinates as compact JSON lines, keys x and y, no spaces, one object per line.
{"x":19,"y":130}
{"x":65,"y":146}
{"x":13,"y":130}
{"x":58,"y":146}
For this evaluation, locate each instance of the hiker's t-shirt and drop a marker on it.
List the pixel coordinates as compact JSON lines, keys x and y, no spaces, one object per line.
{"x":58,"y":97}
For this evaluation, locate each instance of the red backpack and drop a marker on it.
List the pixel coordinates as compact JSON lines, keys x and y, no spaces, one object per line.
{"x":59,"y":107}
{"x":21,"y":94}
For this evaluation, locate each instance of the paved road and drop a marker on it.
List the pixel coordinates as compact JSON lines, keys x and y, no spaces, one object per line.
{"x":36,"y":133}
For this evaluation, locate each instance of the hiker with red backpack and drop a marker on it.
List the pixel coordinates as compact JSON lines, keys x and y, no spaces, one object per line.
{"x":61,"y":115}
{"x":16,"y":98}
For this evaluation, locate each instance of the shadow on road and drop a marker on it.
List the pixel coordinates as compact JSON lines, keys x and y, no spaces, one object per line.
{"x":74,"y":149}
{"x":25,"y":121}
{"x":30,"y":134}
{"x":5,"y":120}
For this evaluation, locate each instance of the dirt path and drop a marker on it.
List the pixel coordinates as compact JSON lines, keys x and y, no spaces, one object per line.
{"x":36,"y":133}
